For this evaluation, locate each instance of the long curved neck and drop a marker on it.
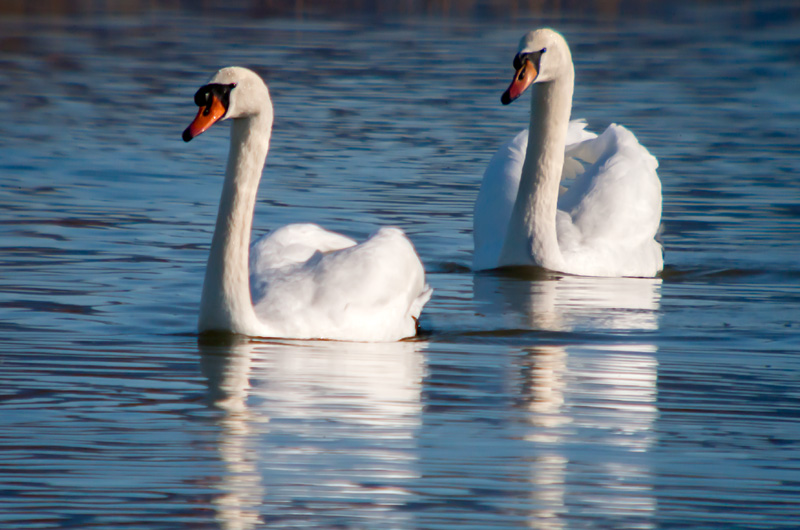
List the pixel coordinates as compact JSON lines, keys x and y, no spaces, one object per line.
{"x":531,"y":236}
{"x":226,"y":304}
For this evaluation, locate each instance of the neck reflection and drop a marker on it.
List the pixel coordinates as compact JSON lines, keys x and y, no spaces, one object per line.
{"x":330,"y":421}
{"x":588,"y":389}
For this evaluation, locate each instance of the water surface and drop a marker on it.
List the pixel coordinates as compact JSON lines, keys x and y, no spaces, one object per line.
{"x":531,"y":401}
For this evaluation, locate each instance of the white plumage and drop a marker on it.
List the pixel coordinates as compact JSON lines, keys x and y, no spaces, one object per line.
{"x":309,"y":282}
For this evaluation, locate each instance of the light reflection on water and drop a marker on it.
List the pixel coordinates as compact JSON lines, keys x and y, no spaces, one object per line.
{"x":533,"y":400}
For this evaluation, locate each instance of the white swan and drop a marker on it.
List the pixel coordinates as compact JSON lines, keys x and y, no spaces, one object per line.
{"x":605,"y":223}
{"x":304,"y":282}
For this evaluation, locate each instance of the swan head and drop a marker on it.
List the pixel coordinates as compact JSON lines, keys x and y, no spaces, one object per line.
{"x":543,"y":57}
{"x":233,"y":92}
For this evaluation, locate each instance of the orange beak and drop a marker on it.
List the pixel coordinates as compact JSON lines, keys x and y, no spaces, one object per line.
{"x":523,"y":77}
{"x":206,"y":117}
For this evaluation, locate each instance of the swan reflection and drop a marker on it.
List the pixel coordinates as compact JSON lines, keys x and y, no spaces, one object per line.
{"x":594,"y":381}
{"x":570,"y":303}
{"x":311,"y":428}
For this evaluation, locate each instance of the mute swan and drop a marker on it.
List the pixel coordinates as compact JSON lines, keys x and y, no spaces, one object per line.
{"x":605,"y":223}
{"x":304,"y":282}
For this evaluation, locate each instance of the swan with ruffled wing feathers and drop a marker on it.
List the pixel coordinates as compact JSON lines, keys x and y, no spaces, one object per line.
{"x":299,"y":281}
{"x":560,"y":197}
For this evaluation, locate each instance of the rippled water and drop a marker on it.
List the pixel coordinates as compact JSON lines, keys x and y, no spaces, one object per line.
{"x":534,"y":401}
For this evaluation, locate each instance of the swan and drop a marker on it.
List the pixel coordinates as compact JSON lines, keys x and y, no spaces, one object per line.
{"x":299,"y":281}
{"x":605,"y":222}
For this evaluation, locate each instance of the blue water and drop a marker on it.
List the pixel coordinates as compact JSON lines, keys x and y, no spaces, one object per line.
{"x":530,"y":401}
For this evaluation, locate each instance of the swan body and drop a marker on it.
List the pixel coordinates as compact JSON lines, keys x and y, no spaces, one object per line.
{"x":300,"y":281}
{"x":605,"y":222}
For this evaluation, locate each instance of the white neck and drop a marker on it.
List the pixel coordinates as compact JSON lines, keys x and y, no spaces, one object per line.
{"x":531,"y":236}
{"x":226,"y":303}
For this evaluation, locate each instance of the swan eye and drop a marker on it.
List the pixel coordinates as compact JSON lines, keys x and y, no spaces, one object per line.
{"x":202,"y":97}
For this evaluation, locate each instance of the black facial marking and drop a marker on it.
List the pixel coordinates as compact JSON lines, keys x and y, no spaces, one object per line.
{"x":203,"y":96}
{"x":534,"y":57}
